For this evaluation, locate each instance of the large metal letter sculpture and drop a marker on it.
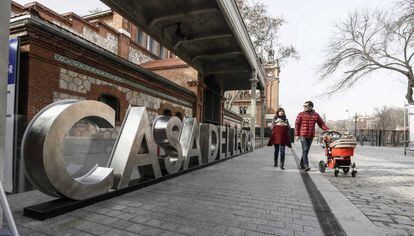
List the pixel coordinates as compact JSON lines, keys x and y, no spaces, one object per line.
{"x":243,"y":136}
{"x":42,"y":149}
{"x":209,"y":141}
{"x":166,"y":130}
{"x":135,"y":148}
{"x":248,"y":141}
{"x":237,"y":134}
{"x":224,"y":142}
{"x":190,"y":142}
{"x":232,"y":139}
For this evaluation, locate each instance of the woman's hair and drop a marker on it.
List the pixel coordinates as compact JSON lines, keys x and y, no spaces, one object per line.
{"x":277,"y":113}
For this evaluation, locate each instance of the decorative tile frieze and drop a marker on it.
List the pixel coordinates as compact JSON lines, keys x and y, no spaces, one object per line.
{"x":116,"y":78}
{"x":76,"y":82}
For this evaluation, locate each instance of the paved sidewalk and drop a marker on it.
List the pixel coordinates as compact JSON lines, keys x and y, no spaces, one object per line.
{"x":241,"y":196}
{"x":383,"y":189}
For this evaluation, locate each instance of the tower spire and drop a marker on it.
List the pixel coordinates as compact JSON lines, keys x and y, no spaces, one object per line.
{"x":271,"y":52}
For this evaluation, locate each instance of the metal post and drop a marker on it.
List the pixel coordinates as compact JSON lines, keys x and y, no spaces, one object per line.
{"x":356,"y":120}
{"x":263,"y":113}
{"x":405,"y":131}
{"x":253,"y":82}
{"x":7,"y":211}
{"x":4,"y":61}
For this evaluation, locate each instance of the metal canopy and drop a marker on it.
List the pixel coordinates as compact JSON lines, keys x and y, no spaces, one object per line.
{"x":209,"y":35}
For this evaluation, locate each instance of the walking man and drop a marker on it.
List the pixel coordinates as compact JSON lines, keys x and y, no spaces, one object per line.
{"x":305,"y":130}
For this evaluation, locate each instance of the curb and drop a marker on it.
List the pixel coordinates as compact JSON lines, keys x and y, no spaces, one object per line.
{"x":352,"y":220}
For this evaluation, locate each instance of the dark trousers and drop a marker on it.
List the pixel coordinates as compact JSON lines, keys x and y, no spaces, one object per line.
{"x":282,"y":153}
{"x":306,"y":144}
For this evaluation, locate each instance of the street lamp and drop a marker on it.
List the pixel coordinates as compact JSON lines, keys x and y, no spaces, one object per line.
{"x":347,"y":121}
{"x":356,"y":120}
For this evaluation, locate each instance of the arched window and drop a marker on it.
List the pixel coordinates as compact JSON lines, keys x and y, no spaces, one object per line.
{"x":167,"y":112}
{"x":113,"y":102}
{"x":179,"y":115}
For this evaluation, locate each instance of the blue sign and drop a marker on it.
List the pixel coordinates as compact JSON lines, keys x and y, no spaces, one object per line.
{"x":13,"y":55}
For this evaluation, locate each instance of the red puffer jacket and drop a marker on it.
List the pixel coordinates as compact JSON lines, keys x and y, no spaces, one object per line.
{"x":305,"y":124}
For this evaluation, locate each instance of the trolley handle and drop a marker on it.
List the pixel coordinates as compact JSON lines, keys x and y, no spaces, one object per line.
{"x":330,"y":132}
{"x":324,"y":134}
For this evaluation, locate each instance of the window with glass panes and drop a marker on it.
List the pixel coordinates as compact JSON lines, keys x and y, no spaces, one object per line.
{"x":150,"y":44}
{"x":140,"y":37}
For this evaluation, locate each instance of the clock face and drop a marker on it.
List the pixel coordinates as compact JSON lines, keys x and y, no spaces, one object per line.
{"x":269,"y":74}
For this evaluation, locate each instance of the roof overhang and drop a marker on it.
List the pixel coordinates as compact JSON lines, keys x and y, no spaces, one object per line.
{"x":211,"y":36}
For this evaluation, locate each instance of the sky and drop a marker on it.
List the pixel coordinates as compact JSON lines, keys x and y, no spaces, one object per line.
{"x":310,"y":23}
{"x":309,"y":27}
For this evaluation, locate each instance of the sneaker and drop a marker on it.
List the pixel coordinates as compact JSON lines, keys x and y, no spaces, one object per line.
{"x":275,"y":165}
{"x":302,"y":167}
{"x":282,"y":168}
{"x":307,"y":169}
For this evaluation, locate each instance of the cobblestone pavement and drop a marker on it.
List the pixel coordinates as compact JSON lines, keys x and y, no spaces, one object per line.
{"x":383,"y":188}
{"x":241,"y":196}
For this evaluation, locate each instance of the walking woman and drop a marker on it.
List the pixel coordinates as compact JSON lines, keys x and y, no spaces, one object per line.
{"x":280,"y":136}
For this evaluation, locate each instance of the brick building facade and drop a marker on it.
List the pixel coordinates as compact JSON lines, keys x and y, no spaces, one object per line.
{"x":67,"y":56}
{"x":240,"y":101}
{"x":86,"y":58}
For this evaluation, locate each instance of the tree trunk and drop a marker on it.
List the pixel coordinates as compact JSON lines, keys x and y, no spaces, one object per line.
{"x":409,"y":95}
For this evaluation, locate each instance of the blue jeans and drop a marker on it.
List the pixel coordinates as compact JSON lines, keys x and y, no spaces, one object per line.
{"x":282,"y":153}
{"x":306,"y":144}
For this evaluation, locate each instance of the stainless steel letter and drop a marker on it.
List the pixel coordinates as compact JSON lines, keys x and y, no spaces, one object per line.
{"x":190,"y":142}
{"x":238,"y":141}
{"x":224,"y":142}
{"x":42,"y":149}
{"x":249,"y":146}
{"x":135,"y":148}
{"x":243,"y":140}
{"x":166,"y":130}
{"x":209,"y":141}
{"x":232,"y":146}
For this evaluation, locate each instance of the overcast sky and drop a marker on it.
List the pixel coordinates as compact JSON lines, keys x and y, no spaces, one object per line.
{"x":310,"y":24}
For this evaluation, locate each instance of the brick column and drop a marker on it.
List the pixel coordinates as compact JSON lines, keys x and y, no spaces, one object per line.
{"x":4,"y":62}
{"x":263,"y":114}
{"x":253,"y":82}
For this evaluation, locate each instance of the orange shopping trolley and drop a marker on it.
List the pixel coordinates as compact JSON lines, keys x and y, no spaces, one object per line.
{"x":339,"y":150}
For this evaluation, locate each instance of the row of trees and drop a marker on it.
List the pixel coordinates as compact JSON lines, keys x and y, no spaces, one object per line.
{"x":383,"y":118}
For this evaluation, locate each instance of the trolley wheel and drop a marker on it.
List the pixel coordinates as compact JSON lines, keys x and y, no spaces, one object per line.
{"x":322,"y":166}
{"x":353,"y":173}
{"x":336,"y":172}
{"x":345,"y":170}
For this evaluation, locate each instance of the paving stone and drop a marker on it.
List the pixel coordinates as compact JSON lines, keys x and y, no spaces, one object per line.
{"x":382,"y":189}
{"x":241,"y":196}
{"x":150,"y":231}
{"x":118,"y":232}
{"x":232,"y":231}
{"x":135,"y":228}
{"x":186,"y":230}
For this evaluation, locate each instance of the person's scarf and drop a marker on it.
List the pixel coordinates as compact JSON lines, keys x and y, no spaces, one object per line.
{"x":283,"y":118}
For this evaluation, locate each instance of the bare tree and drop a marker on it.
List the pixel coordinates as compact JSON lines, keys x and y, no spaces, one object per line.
{"x":388,"y":118}
{"x":407,"y":7}
{"x":367,"y":42}
{"x":230,"y":97}
{"x":95,"y":10}
{"x":264,"y":29}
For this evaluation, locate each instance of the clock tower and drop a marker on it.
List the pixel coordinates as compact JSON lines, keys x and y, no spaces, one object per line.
{"x":272,"y":86}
